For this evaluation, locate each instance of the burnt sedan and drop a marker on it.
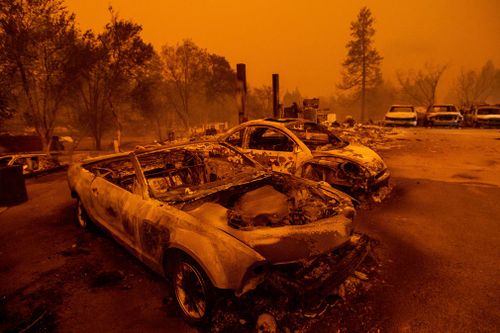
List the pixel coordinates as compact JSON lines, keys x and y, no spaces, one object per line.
{"x":309,"y":150}
{"x":213,"y":220}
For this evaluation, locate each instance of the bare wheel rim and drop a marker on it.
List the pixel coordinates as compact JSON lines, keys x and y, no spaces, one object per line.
{"x":81,"y":215}
{"x":190,"y":291}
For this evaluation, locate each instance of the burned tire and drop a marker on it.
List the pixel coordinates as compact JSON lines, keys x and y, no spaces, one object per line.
{"x":82,"y":217}
{"x":193,"y":290}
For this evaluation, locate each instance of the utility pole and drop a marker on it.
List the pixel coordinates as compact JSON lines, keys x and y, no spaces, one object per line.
{"x":241,"y":95}
{"x":276,"y":95}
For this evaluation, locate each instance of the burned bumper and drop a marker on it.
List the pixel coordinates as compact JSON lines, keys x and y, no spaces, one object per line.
{"x":492,"y":122}
{"x":400,"y":121}
{"x":322,"y":274}
{"x":446,"y":120}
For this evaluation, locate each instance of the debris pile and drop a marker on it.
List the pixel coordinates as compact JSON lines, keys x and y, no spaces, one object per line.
{"x":262,"y":310}
{"x":375,"y":137}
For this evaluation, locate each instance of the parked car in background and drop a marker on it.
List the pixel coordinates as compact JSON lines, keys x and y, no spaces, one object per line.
{"x":212,"y":219}
{"x":307,"y":149}
{"x":32,"y":163}
{"x":485,"y":116}
{"x":401,"y":115}
{"x":443,"y":115}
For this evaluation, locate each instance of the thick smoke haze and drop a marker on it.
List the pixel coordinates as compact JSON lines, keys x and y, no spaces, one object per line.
{"x":305,"y":42}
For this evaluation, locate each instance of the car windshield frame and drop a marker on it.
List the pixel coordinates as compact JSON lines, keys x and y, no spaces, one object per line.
{"x":300,"y":129}
{"x":488,"y":111}
{"x":442,"y":108}
{"x":402,"y":109}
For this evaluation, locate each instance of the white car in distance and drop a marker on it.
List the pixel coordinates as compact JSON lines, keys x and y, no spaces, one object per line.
{"x":401,"y":115}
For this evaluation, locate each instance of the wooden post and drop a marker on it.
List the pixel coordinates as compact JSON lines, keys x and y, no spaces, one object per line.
{"x":241,"y":77}
{"x":276,"y":95}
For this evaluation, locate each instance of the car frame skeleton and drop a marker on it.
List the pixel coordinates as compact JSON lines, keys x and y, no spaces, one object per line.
{"x":443,"y":115}
{"x":212,"y":219}
{"x":309,"y":150}
{"x":32,"y":163}
{"x":485,"y":116}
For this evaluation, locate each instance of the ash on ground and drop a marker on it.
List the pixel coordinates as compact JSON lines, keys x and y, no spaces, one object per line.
{"x":264,"y":310}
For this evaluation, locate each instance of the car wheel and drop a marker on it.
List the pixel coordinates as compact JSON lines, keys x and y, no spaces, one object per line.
{"x":193,"y":290}
{"x":81,"y":215}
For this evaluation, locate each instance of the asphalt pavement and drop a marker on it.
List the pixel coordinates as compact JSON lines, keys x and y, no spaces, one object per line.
{"x":437,"y":247}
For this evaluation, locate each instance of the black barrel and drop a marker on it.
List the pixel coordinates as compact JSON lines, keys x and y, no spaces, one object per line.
{"x":12,"y":186}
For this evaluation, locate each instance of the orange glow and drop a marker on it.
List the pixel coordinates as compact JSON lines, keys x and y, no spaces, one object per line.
{"x":305,"y":42}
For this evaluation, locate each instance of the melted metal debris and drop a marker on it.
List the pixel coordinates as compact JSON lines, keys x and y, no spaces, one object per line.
{"x":375,"y":137}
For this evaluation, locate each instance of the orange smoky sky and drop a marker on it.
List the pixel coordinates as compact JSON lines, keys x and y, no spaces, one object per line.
{"x":304,"y":41}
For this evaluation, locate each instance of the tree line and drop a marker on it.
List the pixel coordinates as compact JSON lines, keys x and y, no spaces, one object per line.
{"x":362,"y":79}
{"x":50,"y":70}
{"x":93,"y":83}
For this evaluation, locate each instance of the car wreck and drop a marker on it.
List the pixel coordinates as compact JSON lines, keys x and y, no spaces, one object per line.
{"x":32,"y":163}
{"x":401,"y":115}
{"x":309,"y":150}
{"x":443,"y":115}
{"x":486,"y":116}
{"x":211,"y":219}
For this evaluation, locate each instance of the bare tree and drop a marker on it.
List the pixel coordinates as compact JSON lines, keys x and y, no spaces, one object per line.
{"x":185,"y":69}
{"x":37,"y":38}
{"x":221,"y":79}
{"x":194,"y":75}
{"x":149,"y":96}
{"x":127,"y":53}
{"x":292,"y":97}
{"x":89,"y":111}
{"x":362,"y":64}
{"x":260,"y":102}
{"x":473,"y":87}
{"x":421,"y":86}
{"x":7,"y":87}
{"x":110,"y":62}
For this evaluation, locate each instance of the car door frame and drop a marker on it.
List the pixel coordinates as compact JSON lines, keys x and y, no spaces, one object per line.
{"x":281,"y":161}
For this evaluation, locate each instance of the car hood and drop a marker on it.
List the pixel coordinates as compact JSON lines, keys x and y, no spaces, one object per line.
{"x":400,"y":114}
{"x":356,"y":153}
{"x":284,"y":244}
{"x":488,"y":116}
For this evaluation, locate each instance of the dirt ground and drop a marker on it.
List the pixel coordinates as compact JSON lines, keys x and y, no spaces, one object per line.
{"x":435,"y":268}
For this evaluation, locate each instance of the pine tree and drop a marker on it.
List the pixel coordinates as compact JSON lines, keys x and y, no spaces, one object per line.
{"x":362,"y":64}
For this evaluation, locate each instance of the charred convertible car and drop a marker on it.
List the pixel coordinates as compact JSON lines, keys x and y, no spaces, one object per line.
{"x":212,"y":219}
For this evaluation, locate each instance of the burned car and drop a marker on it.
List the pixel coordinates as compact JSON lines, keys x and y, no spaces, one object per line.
{"x":214,"y":220}
{"x":401,"y":115}
{"x":32,"y":163}
{"x":485,"y":116}
{"x":443,"y":115}
{"x":309,"y":150}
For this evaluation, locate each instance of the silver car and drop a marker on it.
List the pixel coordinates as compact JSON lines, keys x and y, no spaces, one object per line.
{"x":401,"y":115}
